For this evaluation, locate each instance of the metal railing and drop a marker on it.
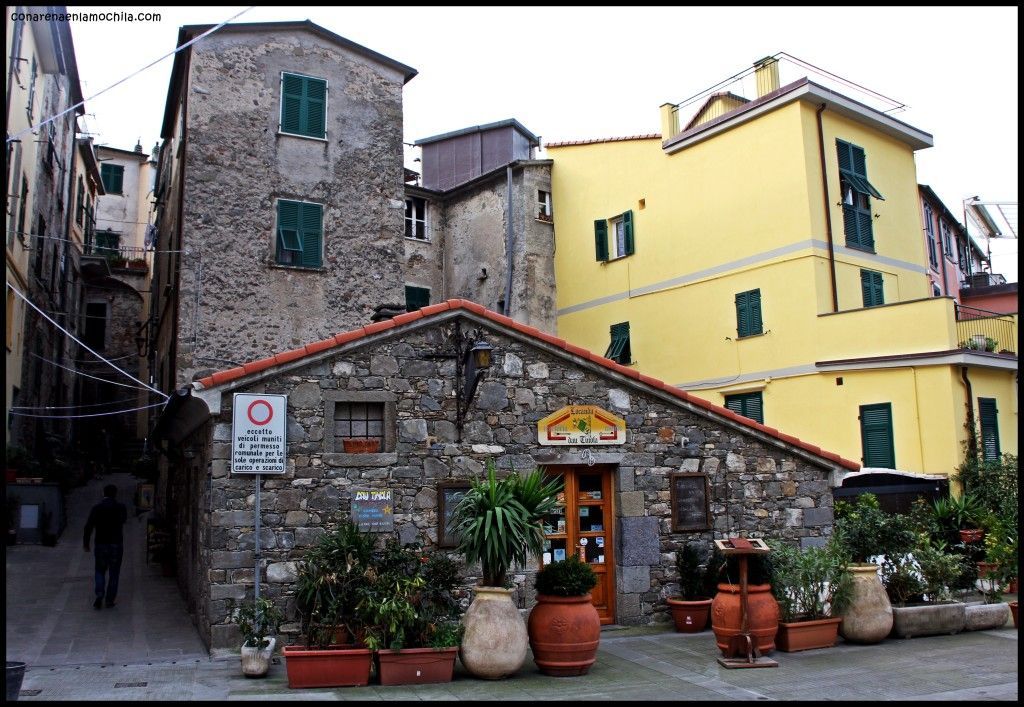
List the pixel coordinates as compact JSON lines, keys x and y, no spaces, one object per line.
{"x":122,"y":257}
{"x":982,"y":330}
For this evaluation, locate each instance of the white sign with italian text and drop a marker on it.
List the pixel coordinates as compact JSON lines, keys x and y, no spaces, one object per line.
{"x":258,"y":434}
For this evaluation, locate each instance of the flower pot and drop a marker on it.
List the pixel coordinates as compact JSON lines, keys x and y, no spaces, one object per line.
{"x":360,"y":446}
{"x":416,"y":666}
{"x":928,"y":619}
{"x":807,"y":635}
{"x":979,"y":616}
{"x":971,"y":535}
{"x":762,"y":616}
{"x":256,"y":661}
{"x":495,"y":639}
{"x":564,"y":634}
{"x":1012,"y":589}
{"x":1013,"y":612}
{"x":984,"y":568}
{"x":329,"y":667}
{"x":690,"y":616}
{"x":868,"y":618}
{"x":15,"y":674}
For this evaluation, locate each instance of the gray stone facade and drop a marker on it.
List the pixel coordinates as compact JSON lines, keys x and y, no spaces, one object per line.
{"x":759,"y":485}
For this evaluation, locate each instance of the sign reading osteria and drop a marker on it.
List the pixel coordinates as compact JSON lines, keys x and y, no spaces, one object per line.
{"x":581,"y":424}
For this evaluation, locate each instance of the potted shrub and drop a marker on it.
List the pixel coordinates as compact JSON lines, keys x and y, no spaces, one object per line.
{"x":866,"y":531}
{"x":762,"y":608}
{"x":692,"y":608}
{"x":564,"y":626}
{"x":935,"y":612}
{"x":812,"y":587}
{"x":258,"y":622}
{"x":331,"y":582}
{"x":1001,"y":560}
{"x":966,"y":512}
{"x":499,"y":522}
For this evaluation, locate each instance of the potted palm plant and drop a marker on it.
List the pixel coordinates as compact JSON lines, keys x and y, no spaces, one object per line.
{"x":258,"y":621}
{"x":499,"y":523}
{"x":812,"y":587}
{"x":564,"y":626}
{"x":691,"y":609}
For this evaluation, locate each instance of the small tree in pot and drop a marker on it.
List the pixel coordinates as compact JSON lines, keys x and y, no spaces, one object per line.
{"x":258,"y":622}
{"x":564,"y":626}
{"x":691,"y":609}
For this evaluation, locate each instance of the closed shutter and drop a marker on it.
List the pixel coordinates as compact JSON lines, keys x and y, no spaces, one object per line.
{"x":303,"y":105}
{"x":627,"y":228}
{"x":746,"y":404}
{"x":990,"y":450}
{"x":601,"y":239}
{"x":291,"y":104}
{"x":876,"y":436}
{"x":748,"y":313}
{"x":416,"y":298}
{"x":871,"y":288}
{"x":312,"y":234}
{"x":316,"y":106}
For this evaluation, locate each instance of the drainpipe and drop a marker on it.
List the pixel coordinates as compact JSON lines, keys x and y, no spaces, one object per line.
{"x":508,"y":240}
{"x":972,"y":440}
{"x":828,"y":212}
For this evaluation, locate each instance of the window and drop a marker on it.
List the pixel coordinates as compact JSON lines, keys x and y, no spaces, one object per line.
{"x":51,"y":150}
{"x":746,"y":404}
{"x":416,"y":297}
{"x":359,"y":415}
{"x":95,"y":333}
{"x":543,"y":205}
{"x":80,"y":211}
{"x":299,"y":233}
{"x":31,"y":91}
{"x":22,"y":209}
{"x":748,"y":313}
{"x":871,"y":288}
{"x":947,"y":241}
{"x":876,"y":435}
{"x":622,"y":236}
{"x":618,"y":350}
{"x":989,"y":429}
{"x":37,"y":245}
{"x":416,"y":218}
{"x":108,"y":243}
{"x":113,"y":178}
{"x":303,"y":106}
{"x":856,"y":193}
{"x":936,"y":292}
{"x":359,"y":421}
{"x":929,"y":229}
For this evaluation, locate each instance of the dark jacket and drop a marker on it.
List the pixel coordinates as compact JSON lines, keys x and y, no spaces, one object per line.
{"x":107,"y":517}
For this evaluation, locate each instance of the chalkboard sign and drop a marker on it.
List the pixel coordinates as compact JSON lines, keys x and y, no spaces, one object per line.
{"x":372,"y":510}
{"x":449,"y":494}
{"x":690,"y":502}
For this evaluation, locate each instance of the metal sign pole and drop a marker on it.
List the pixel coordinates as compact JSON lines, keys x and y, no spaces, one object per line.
{"x":257,"y":525}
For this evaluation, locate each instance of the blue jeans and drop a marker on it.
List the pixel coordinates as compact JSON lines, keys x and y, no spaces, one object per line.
{"x":108,"y":559}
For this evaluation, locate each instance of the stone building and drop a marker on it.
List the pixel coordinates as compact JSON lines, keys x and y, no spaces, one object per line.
{"x":671,"y":468}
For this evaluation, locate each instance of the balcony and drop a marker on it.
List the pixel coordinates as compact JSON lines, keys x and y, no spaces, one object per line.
{"x":982,"y":330}
{"x":118,"y":257}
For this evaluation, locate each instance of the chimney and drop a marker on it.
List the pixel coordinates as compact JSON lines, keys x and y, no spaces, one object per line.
{"x":138,"y":146}
{"x":766,"y":73}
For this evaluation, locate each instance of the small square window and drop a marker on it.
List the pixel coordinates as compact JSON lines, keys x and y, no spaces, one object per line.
{"x":415,"y":218}
{"x":358,"y":421}
{"x":543,"y":205}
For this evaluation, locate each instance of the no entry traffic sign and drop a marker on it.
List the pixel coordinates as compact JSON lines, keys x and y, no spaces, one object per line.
{"x":258,"y":437}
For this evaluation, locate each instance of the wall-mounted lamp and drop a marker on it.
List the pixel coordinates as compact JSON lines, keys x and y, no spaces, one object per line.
{"x":472,"y":359}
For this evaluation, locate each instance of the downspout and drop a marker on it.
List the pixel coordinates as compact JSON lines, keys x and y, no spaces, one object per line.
{"x":972,"y":440}
{"x":508,"y":241}
{"x":828,"y":212}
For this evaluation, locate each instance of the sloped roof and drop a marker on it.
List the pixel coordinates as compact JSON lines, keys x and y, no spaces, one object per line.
{"x":564,"y":143}
{"x":253,"y":368}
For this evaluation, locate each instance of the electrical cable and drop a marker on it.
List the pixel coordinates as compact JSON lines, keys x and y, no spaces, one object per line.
{"x":69,"y":407}
{"x":95,"y":414}
{"x":80,"y":373}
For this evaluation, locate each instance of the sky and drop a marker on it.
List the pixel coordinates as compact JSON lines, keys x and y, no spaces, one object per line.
{"x":570,"y":73}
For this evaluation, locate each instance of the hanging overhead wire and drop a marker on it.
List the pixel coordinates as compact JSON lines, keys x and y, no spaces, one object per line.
{"x":86,"y":375}
{"x":71,"y":407}
{"x":95,"y":414}
{"x":189,"y":43}
{"x":79,"y":342}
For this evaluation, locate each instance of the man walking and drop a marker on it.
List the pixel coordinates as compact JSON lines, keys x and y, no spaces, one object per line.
{"x":108,"y":518}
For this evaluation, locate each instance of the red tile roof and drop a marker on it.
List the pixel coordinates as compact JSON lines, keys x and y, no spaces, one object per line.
{"x":247,"y":369}
{"x":650,"y":136}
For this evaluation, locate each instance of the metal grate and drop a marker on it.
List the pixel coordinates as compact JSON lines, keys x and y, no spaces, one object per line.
{"x":131,"y":684}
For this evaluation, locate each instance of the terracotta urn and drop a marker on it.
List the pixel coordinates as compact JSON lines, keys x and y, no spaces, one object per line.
{"x":690,"y":616}
{"x":868,"y":619}
{"x":564,"y":634}
{"x":495,"y":639}
{"x":762,"y":616}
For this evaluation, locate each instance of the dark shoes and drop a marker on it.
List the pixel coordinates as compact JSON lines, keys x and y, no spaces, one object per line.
{"x":98,"y":604}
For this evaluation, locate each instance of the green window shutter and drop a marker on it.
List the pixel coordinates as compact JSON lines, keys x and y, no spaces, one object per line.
{"x":289,"y":237}
{"x":601,"y":239}
{"x":311,"y":226}
{"x":748,"y":313}
{"x":618,"y":350}
{"x":989,"y":415}
{"x":876,"y":435}
{"x":746,"y":404}
{"x":627,"y":229}
{"x":845,"y":155}
{"x":316,"y":107}
{"x":112,"y":177}
{"x":416,"y":298}
{"x":871,"y":288}
{"x":291,"y":103}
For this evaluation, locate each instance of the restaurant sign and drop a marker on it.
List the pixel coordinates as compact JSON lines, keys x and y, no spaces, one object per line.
{"x":581,"y":424}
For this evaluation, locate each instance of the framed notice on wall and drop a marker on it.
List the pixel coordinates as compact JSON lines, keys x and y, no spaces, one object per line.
{"x":449,"y":494}
{"x":690,"y":509}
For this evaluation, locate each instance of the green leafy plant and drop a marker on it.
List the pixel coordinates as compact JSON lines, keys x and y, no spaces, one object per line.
{"x":499,"y":521}
{"x":570,"y":577}
{"x":966,"y":510}
{"x":257,"y":620}
{"x":865,"y":530}
{"x":902,"y":583}
{"x":939,"y":571}
{"x":448,"y":634}
{"x":812,"y":583}
{"x":1001,"y":551}
{"x":726,"y":568}
{"x":993,"y":483}
{"x":695,"y":582}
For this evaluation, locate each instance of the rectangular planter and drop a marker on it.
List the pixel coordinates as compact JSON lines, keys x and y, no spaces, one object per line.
{"x":983,"y":617}
{"x":416,"y":666}
{"x":330,"y":667}
{"x":807,"y":635}
{"x":928,"y":619}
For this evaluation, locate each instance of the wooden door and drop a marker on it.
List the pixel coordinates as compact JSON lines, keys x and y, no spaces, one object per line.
{"x":583,"y":525}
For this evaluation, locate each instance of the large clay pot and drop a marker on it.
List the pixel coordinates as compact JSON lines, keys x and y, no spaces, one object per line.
{"x":689,"y":616}
{"x":495,"y":638}
{"x":564,"y":634}
{"x":762,"y":616}
{"x":868,"y":618}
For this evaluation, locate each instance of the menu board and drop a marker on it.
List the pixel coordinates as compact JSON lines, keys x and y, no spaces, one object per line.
{"x":448,"y":496}
{"x":372,"y":510}
{"x":690,"y":502}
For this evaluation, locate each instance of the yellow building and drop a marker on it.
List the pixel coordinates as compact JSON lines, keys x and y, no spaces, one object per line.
{"x":767,"y":255}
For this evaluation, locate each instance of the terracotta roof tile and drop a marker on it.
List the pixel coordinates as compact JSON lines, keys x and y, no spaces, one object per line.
{"x":293,"y":355}
{"x":347,"y":336}
{"x":564,"y":143}
{"x":318,"y":346}
{"x":379,"y":326}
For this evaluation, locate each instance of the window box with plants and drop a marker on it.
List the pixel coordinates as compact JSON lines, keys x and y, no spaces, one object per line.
{"x":812,"y":587}
{"x":331,"y":582}
{"x":258,"y":621}
{"x":918,"y":584}
{"x":500,"y":523}
{"x":691,"y":609}
{"x":564,"y":627}
{"x":762,"y":608}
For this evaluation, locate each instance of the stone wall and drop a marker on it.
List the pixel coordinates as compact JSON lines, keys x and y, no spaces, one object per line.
{"x":756,"y":486}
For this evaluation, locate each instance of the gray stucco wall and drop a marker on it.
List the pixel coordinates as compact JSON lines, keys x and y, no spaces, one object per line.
{"x":756,"y":486}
